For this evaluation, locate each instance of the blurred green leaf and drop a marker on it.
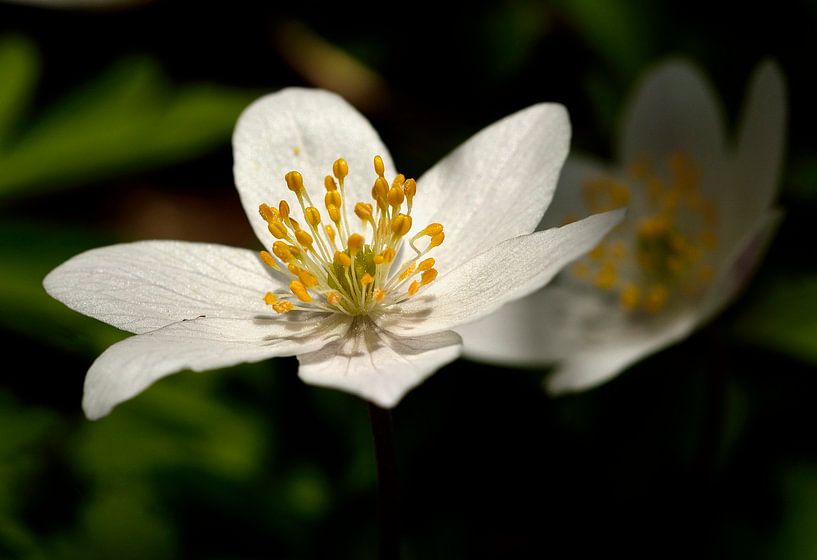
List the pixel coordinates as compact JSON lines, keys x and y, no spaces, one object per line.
{"x":796,"y":537}
{"x":783,"y":316}
{"x":802,"y":179}
{"x":27,"y":253}
{"x":306,"y":493}
{"x":19,"y":67}
{"x":129,"y":119}
{"x":120,"y":521}
{"x":619,"y":30}
{"x":24,"y":434}
{"x":512,"y":30}
{"x":176,"y":424}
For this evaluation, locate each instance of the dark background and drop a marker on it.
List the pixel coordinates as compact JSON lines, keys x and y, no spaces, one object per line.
{"x":122,"y":131}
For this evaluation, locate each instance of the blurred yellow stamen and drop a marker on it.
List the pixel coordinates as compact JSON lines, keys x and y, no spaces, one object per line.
{"x":664,"y":251}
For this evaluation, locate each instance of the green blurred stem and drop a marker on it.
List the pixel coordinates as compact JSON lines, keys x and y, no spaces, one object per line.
{"x":388,"y":492}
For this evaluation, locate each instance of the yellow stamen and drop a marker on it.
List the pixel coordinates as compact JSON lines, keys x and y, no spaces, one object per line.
{"x":283,"y":306}
{"x":355,"y":242}
{"x":426,"y":264}
{"x":295,"y":182}
{"x":409,"y":271}
{"x":313,"y":216}
{"x":379,"y":168}
{"x":656,"y":299}
{"x":282,"y":251}
{"x":340,"y":169}
{"x":431,"y":230}
{"x":410,"y":190}
{"x":428,"y":276}
{"x":307,"y":279}
{"x":283,"y":210}
{"x":267,"y":213}
{"x":334,"y":213}
{"x":332,"y":198}
{"x":299,"y":290}
{"x":630,"y":297}
{"x":304,"y":238}
{"x":380,"y":191}
{"x":396,"y":197}
{"x":278,"y":230}
{"x":354,"y":275}
{"x":342,"y":259}
{"x":581,"y":270}
{"x":401,"y":224}
{"x":268,"y":260}
{"x":598,"y":252}
{"x":363,"y":211}
{"x":606,"y":277}
{"x":437,"y":240}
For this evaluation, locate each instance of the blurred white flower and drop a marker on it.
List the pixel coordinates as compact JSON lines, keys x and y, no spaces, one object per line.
{"x":700,"y":215}
{"x":353,"y":291}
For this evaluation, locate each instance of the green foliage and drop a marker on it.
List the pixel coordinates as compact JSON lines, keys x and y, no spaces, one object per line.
{"x":620,"y":31}
{"x":19,"y":68}
{"x":118,"y":521}
{"x":129,"y":119}
{"x":782,"y":316}
{"x":24,"y":434}
{"x":27,"y":253}
{"x":796,"y":538}
{"x":176,"y":425}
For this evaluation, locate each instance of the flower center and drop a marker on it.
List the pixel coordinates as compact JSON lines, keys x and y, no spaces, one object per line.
{"x":663,"y":250}
{"x":335,"y":270}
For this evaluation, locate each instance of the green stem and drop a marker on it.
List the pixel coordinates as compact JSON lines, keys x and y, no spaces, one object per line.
{"x":388,"y":494}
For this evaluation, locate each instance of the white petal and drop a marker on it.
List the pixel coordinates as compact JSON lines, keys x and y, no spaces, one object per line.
{"x":568,"y":201}
{"x":303,"y":130}
{"x":508,"y":271}
{"x":596,"y":363}
{"x":673,"y":110}
{"x":761,"y":144}
{"x":740,"y":265}
{"x":497,"y":185}
{"x":129,"y":367}
{"x":377,"y":366}
{"x":146,"y":285}
{"x":536,"y":330}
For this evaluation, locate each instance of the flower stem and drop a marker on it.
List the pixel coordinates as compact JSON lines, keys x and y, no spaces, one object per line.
{"x":388,"y":494}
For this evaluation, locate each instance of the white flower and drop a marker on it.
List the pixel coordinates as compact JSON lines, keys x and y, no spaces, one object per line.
{"x":353,"y":290}
{"x":699,"y":217}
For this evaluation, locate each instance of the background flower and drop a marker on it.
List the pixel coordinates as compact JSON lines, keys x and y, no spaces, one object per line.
{"x":699,"y":219}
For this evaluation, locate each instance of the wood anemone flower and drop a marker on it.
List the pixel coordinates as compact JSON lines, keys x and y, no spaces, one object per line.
{"x":365,"y":271}
{"x":700,"y":215}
